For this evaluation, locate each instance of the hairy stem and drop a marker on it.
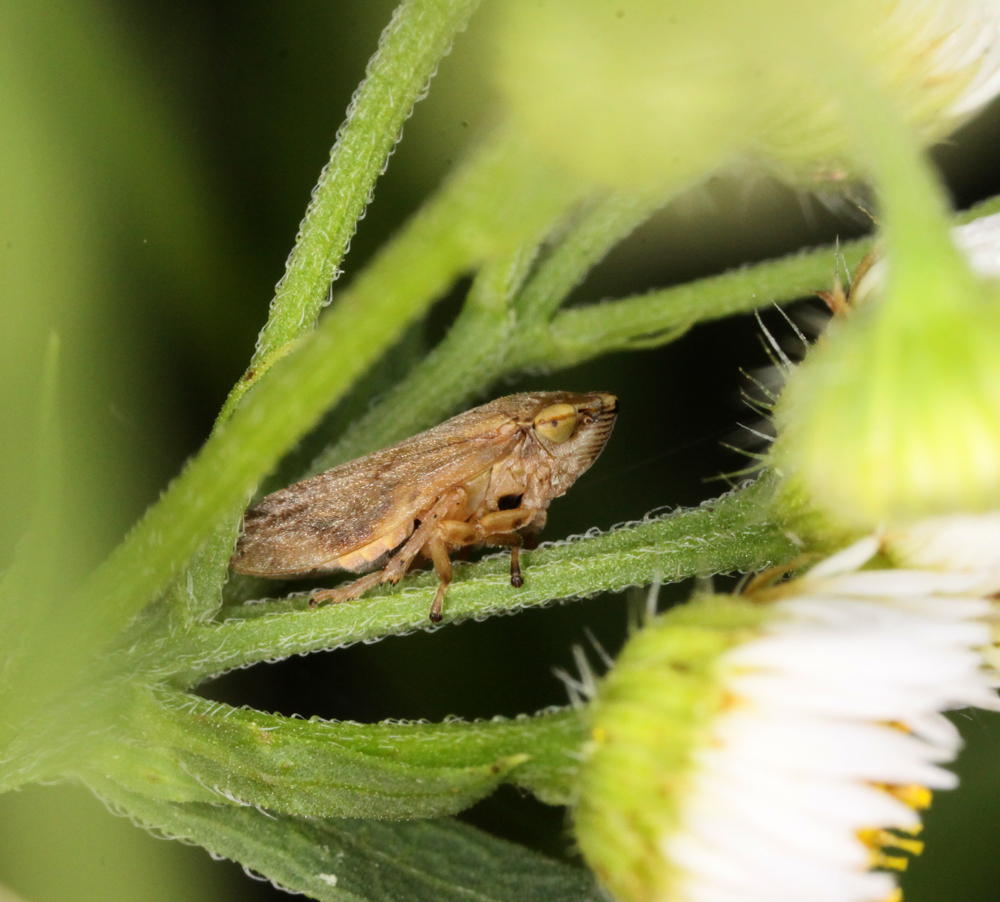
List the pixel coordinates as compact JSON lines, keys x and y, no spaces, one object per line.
{"x":732,"y":533}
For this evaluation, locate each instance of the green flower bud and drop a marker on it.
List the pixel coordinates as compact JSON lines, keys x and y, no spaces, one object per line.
{"x":895,"y":414}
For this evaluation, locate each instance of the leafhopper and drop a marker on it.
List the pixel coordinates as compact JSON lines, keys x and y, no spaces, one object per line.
{"x":485,"y":477}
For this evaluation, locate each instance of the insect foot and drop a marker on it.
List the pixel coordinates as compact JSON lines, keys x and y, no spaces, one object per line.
{"x":485,"y":477}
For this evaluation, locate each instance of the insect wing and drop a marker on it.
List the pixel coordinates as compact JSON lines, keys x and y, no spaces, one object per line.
{"x":363,"y":509}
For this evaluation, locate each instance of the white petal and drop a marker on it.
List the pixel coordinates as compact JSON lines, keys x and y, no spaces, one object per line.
{"x":841,"y":694}
{"x":847,"y":560}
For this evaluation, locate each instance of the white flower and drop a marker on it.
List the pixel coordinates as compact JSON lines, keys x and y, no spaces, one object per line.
{"x":835,"y":710}
{"x":957,"y":39}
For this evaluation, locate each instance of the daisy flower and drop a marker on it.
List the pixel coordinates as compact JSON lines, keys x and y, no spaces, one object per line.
{"x":816,"y":736}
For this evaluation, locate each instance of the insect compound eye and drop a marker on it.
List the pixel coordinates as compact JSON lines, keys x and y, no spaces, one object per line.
{"x":556,"y":423}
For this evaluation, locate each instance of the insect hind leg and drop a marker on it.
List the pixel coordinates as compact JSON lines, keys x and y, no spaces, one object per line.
{"x":424,"y":538}
{"x":346,"y":593}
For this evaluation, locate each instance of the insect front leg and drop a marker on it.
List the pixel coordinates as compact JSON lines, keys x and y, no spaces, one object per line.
{"x":438,"y":553}
{"x":499,"y":528}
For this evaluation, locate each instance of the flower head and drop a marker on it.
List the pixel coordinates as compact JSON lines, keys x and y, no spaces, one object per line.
{"x":822,"y":731}
{"x":894,"y":416}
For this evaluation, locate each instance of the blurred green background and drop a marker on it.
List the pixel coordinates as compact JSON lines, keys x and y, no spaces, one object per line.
{"x":155,"y":161}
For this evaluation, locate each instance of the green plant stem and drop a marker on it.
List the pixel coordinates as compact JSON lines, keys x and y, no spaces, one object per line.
{"x":410,"y":49}
{"x":656,"y":318}
{"x":601,"y":225}
{"x":182,"y":748}
{"x":728,"y":534}
{"x":504,"y":309}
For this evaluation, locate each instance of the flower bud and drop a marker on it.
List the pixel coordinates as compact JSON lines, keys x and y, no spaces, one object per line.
{"x":894,"y":415}
{"x":642,"y":94}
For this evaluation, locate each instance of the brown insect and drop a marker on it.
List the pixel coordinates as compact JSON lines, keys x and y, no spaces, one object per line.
{"x":484,"y":477}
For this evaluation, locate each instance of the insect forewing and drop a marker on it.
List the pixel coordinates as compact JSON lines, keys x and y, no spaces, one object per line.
{"x":368,"y":504}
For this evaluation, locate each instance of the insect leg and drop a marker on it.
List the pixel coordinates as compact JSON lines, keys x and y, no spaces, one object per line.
{"x":516,"y":580}
{"x":438,"y":552}
{"x":399,"y":562}
{"x":499,"y":528}
{"x":504,"y":522}
{"x":348,"y":592}
{"x":514,"y":541}
{"x":424,"y":533}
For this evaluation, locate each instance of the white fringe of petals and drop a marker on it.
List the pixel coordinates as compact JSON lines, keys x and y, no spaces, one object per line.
{"x":958,"y":36}
{"x":842,"y":693}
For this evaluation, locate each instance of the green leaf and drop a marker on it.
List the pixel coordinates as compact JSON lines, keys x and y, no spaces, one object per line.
{"x":336,"y":860}
{"x":178,"y":747}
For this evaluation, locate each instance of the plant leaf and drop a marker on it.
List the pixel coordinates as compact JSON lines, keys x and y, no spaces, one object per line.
{"x":178,"y":747}
{"x":343,"y":860}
